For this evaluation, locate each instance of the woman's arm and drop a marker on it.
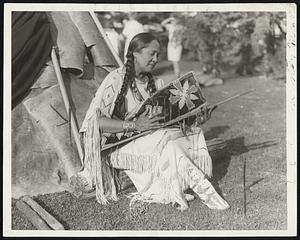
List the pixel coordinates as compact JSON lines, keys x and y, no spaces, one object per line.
{"x":110,"y":125}
{"x":142,"y":123}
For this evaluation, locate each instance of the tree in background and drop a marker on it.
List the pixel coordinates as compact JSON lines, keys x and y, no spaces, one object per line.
{"x":252,"y":41}
{"x":270,"y":34}
{"x":210,"y":36}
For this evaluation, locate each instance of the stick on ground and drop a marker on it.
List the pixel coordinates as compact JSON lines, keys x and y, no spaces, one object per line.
{"x":32,"y":216}
{"x":244,"y":185}
{"x":50,"y":220}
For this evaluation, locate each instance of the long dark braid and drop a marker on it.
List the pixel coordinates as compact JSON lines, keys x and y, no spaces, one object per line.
{"x":128,"y":78}
{"x":151,"y":84}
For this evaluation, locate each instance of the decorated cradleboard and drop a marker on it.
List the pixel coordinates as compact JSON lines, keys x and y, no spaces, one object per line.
{"x":174,"y":103}
{"x":174,"y":100}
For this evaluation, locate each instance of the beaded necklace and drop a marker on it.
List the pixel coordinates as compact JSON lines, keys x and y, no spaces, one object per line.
{"x":136,"y":92}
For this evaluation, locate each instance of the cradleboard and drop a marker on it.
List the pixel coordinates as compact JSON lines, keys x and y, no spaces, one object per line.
{"x":180,"y":100}
{"x":176,"y":99}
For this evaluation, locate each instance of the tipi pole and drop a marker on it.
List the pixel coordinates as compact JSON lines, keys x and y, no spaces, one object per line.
{"x":101,"y":30}
{"x":67,"y":103}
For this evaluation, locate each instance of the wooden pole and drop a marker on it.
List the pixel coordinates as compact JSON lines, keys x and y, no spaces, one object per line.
{"x":244,"y":186}
{"x":101,"y":30}
{"x":233,"y":97}
{"x":67,"y":103}
{"x":32,"y":216}
{"x":110,"y":145}
{"x":47,"y":217}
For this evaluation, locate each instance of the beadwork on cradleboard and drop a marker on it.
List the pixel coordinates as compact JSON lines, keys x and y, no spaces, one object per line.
{"x":176,"y":99}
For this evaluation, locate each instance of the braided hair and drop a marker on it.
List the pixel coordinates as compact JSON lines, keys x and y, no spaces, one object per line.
{"x":140,"y":41}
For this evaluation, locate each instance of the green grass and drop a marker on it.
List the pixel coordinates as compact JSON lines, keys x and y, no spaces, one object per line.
{"x":254,"y":128}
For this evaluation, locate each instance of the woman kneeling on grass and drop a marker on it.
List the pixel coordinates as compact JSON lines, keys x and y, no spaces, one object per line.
{"x":162,"y":164}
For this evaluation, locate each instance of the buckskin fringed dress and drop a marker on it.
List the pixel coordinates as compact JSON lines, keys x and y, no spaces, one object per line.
{"x":162,"y":165}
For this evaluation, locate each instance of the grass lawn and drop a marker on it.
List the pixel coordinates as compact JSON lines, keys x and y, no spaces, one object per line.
{"x":254,"y":128}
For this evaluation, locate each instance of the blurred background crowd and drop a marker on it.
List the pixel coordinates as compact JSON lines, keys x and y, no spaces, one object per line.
{"x":250,"y":42}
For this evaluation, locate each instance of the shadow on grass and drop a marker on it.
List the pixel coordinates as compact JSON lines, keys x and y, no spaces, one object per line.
{"x":215,"y":132}
{"x":234,"y":147}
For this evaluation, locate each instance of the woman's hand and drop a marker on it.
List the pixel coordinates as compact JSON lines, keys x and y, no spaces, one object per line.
{"x":145,"y":122}
{"x":204,"y":115}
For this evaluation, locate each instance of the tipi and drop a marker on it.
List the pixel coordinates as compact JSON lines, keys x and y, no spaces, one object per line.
{"x":45,"y":148}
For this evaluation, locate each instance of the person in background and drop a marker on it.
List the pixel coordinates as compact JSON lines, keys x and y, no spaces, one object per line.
{"x":131,"y":28}
{"x":175,"y":36}
{"x":153,"y":25}
{"x":246,"y":64}
{"x":162,"y":164}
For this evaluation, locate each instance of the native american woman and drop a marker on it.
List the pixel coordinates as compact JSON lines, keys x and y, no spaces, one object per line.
{"x":162,"y":164}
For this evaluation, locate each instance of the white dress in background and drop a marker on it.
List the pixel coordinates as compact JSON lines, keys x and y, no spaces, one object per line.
{"x":175,"y":42}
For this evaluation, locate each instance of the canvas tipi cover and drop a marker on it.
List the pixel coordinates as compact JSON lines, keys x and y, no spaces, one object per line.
{"x":44,"y":154}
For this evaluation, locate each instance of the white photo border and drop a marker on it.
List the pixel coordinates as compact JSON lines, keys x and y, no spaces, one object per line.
{"x":291,"y":111}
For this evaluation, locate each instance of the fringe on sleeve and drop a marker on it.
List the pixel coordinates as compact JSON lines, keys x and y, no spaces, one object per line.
{"x":101,"y":173}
